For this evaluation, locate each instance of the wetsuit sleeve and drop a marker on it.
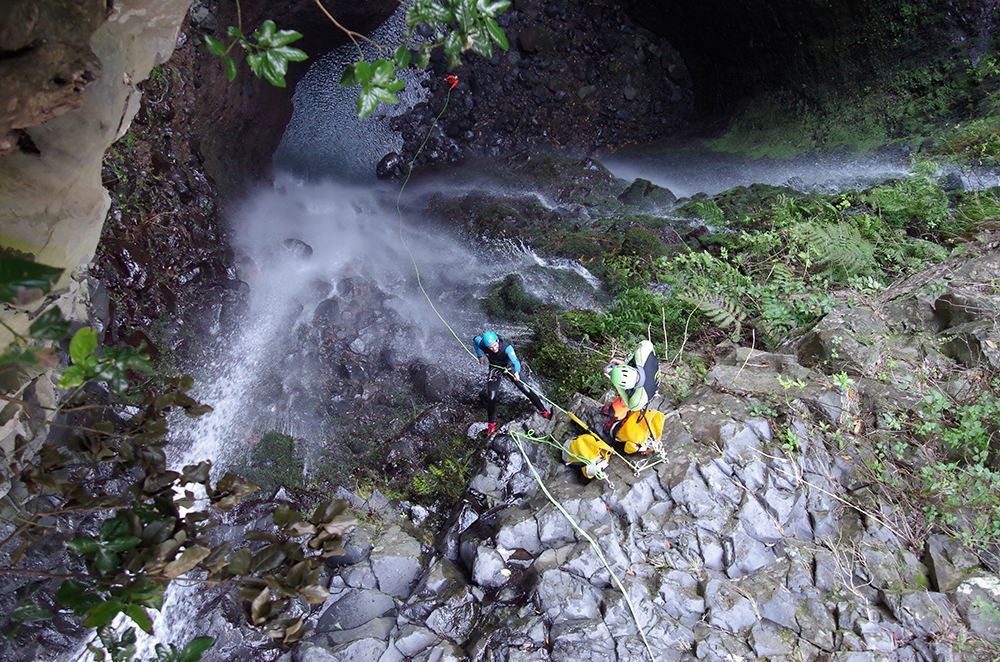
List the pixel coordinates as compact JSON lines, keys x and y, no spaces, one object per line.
{"x":642,"y":353}
{"x":475,"y":346}
{"x":513,"y":358}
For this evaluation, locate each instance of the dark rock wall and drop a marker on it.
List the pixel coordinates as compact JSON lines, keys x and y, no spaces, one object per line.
{"x":239,"y":124}
{"x":738,"y":48}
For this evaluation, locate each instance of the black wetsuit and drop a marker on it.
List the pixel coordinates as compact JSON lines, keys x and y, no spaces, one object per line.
{"x":502,"y":366}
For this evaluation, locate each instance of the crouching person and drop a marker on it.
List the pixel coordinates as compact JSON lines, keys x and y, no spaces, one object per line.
{"x":589,"y":453}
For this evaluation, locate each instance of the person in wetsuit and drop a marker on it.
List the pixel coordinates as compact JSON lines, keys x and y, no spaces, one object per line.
{"x":499,"y":354}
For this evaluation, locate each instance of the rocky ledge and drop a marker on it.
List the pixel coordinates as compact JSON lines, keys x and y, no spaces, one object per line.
{"x":751,"y":539}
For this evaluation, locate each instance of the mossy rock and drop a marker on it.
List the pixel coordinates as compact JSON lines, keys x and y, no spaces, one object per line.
{"x":510,"y":300}
{"x":274,"y":463}
{"x":645,"y":194}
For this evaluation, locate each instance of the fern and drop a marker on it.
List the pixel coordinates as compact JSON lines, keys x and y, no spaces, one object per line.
{"x":839,"y":249}
{"x":719,"y":311}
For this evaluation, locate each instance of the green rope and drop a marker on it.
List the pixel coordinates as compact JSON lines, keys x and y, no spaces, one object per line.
{"x":420,"y":284}
{"x":593,"y":543}
{"x":548,"y":440}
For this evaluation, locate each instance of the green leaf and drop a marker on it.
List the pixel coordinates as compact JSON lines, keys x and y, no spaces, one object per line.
{"x":384,"y":95}
{"x":291,"y":54}
{"x":115,"y":527}
{"x":453,"y":45}
{"x":285,"y":37}
{"x":396,"y":85}
{"x":367,"y":103}
{"x":265,"y":32}
{"x":347,"y":79}
{"x":493,"y":8}
{"x":363,"y":71}
{"x":123,"y":544}
{"x":231,"y":70}
{"x":234,"y":31}
{"x":140,"y":617}
{"x":482,"y":46}
{"x":72,"y":377}
{"x":75,"y":595}
{"x":50,"y":325}
{"x":496,"y":33}
{"x":255,"y":61}
{"x":83,"y":344}
{"x":195,"y":648}
{"x":215,"y":47}
{"x":402,"y":57}
{"x":424,"y":56}
{"x":270,"y":74}
{"x":277,"y":62}
{"x":83,"y":545}
{"x":384,"y":72}
{"x":22,"y":281}
{"x":29,"y":612}
{"x":105,"y":561}
{"x":103,"y":614}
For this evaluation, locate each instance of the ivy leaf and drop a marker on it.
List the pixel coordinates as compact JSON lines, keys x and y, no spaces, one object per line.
{"x":384,"y":95}
{"x":123,"y":544}
{"x":74,"y":595}
{"x":453,"y":45}
{"x":363,"y":72}
{"x":285,"y":37}
{"x":72,"y":377}
{"x":22,"y":281}
{"x":291,"y":54}
{"x":29,"y":612}
{"x":402,"y":57}
{"x":383,"y":73}
{"x":50,"y":325}
{"x":140,"y":617}
{"x":83,"y":344}
{"x":103,"y":614}
{"x":423,"y":56}
{"x":195,"y":648}
{"x":496,"y":33}
{"x":255,"y":61}
{"x":493,"y":8}
{"x":265,"y":32}
{"x":105,"y":561}
{"x":215,"y":47}
{"x":83,"y":545}
{"x":367,"y":103}
{"x":230,"y":68}
{"x":348,"y":79}
{"x":278,"y":63}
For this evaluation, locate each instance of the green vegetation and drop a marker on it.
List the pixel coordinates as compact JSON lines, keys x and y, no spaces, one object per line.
{"x":274,"y":463}
{"x":267,"y":51}
{"x":122,"y":525}
{"x":509,"y":300}
{"x":444,"y":480}
{"x":455,"y":26}
{"x":910,"y":104}
{"x":961,"y":486}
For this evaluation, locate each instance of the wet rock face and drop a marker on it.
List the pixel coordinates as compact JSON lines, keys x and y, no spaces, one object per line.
{"x":579,"y":75}
{"x":735,"y":546}
{"x":45,"y":64}
{"x":734,"y":49}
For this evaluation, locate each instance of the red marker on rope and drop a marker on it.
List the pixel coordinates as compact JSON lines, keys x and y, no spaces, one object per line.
{"x":452,"y":81}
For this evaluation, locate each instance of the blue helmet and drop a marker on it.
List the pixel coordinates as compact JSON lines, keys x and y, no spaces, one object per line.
{"x":490,"y":338}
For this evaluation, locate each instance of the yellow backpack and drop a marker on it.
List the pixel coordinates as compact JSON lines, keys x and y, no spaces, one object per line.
{"x":587,"y":451}
{"x":637,"y":429}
